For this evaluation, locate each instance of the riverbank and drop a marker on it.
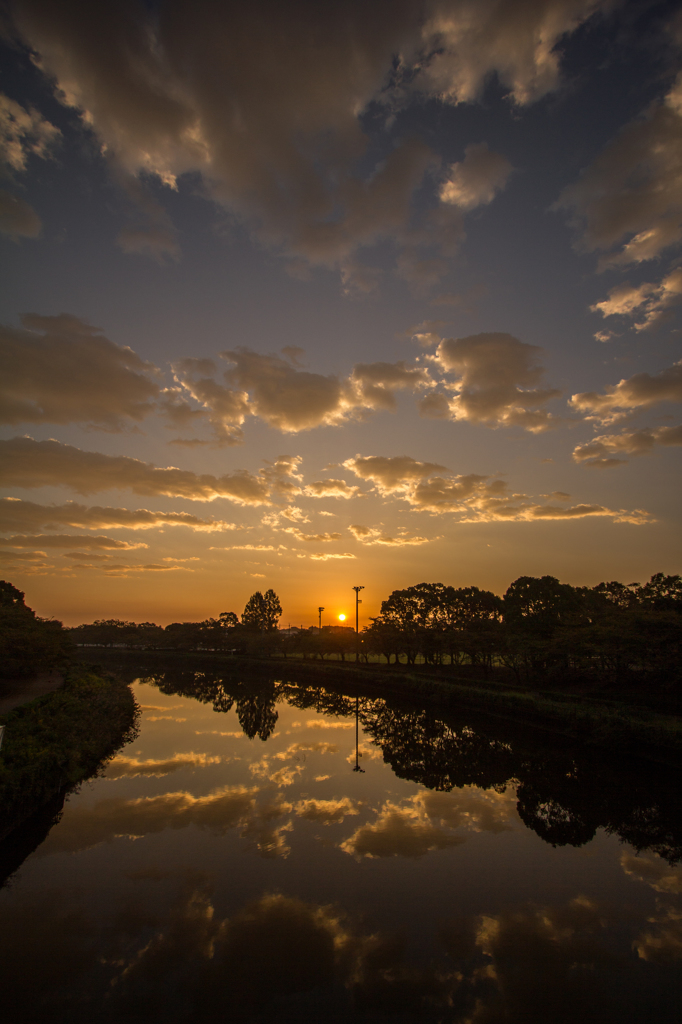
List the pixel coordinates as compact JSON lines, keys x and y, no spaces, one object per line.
{"x":59,"y":739}
{"x":645,"y":725}
{"x":14,"y":692}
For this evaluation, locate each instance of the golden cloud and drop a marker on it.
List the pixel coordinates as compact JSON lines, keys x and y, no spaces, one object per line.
{"x":608,"y":450}
{"x":638,"y":392}
{"x":496,"y":386}
{"x":651,"y":303}
{"x":82,"y":828}
{"x":328,"y":812}
{"x":130,"y":767}
{"x":399,"y":832}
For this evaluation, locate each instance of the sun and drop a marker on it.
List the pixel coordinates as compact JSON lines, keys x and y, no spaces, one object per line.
{"x":342,"y":618}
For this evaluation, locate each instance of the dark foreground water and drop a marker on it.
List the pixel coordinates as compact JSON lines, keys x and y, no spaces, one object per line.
{"x":232,"y":865}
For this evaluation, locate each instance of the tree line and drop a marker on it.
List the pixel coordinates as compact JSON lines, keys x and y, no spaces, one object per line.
{"x":540,"y":629}
{"x":29,"y":644}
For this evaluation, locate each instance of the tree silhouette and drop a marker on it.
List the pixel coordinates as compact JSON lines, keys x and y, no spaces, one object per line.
{"x":262,"y":613}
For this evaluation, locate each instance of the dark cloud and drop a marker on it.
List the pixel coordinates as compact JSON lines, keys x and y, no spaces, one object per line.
{"x":628,"y":203}
{"x":17,"y":218}
{"x":497,"y":378}
{"x":27,"y":515}
{"x":59,"y":369}
{"x":265,"y":102}
{"x":477,"y":179}
{"x":28,"y":463}
{"x":59,"y":540}
{"x":24,"y":133}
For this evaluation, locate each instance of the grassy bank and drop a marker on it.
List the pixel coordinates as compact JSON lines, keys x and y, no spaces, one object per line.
{"x":56,"y":741}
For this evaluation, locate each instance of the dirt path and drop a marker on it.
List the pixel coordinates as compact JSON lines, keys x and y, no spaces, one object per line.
{"x":14,"y":692}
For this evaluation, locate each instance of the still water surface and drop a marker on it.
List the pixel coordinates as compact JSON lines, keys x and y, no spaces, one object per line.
{"x":231,"y":865}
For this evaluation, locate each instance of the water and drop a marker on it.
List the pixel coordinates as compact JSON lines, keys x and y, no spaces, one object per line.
{"x":232,"y":865}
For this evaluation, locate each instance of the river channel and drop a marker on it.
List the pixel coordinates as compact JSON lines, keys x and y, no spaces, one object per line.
{"x":244,"y":859}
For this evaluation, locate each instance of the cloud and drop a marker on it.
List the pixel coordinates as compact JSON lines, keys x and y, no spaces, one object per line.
{"x":391,"y":474}
{"x":226,"y":409}
{"x":285,"y":776}
{"x":369,"y":535}
{"x":323,"y":723}
{"x":357,"y":279}
{"x":638,"y":392}
{"x":23,"y":133}
{"x":284,"y":397}
{"x":325,"y":556}
{"x":57,"y":540}
{"x":312,"y":538}
{"x":17,"y":218}
{"x":607,"y":450}
{"x":292,"y":514}
{"x":330,"y":488}
{"x":497,"y":374}
{"x":477,"y":179}
{"x":472,"y":497}
{"x":654,"y":871}
{"x":218,"y":811}
{"x":314,"y":746}
{"x":121,"y":767}
{"x":377,"y":382}
{"x":59,"y":369}
{"x":422,"y":272}
{"x":281,"y":394}
{"x":662,"y":944}
{"x":327,"y":812}
{"x":28,"y":463}
{"x":426,"y":333}
{"x":282,"y":475}
{"x":628,"y":203}
{"x":571,"y":941}
{"x":16,"y":514}
{"x":650,"y":302}
{"x":151,"y":232}
{"x":515,"y":42}
{"x":284,"y":155}
{"x":399,"y":832}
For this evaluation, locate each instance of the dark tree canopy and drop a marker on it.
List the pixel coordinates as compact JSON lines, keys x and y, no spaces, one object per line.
{"x":262,"y":612}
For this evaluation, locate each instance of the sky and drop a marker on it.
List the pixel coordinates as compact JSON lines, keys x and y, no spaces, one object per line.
{"x":304,"y":297}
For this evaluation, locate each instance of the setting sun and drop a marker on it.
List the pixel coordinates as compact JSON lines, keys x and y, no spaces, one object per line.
{"x":342,"y":618}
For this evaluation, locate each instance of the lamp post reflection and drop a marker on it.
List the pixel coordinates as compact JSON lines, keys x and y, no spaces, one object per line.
{"x":357,"y":767}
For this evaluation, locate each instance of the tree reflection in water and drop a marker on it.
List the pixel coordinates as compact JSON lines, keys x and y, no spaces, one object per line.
{"x":565,"y":793}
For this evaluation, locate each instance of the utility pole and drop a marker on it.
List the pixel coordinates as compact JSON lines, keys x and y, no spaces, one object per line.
{"x":357,"y":748}
{"x":319,"y":613}
{"x":357,"y":620}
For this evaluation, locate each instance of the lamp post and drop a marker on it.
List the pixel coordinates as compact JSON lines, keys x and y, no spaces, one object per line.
{"x":319,"y":614}
{"x":357,"y":731}
{"x":357,"y":620}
